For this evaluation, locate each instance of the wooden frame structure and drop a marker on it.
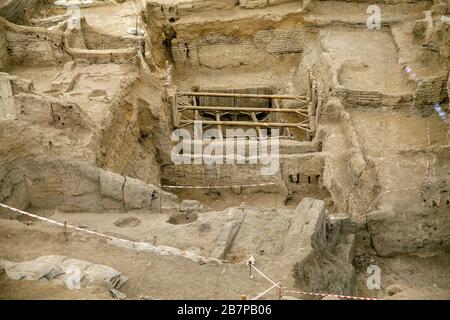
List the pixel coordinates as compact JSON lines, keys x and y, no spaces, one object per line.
{"x":307,"y":110}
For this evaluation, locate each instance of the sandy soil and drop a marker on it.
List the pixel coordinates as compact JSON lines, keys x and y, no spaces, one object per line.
{"x":369,"y":60}
{"x":150,"y":276}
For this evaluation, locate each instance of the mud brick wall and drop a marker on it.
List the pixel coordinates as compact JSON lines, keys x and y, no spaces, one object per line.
{"x":432,"y":90}
{"x":50,"y":111}
{"x":34,"y":46}
{"x":92,"y":38}
{"x":125,"y":150}
{"x":236,"y":102}
{"x":76,"y":186}
{"x":167,"y":11}
{"x":304,"y":164}
{"x":12,"y":184}
{"x":308,"y":165}
{"x":354,"y":98}
{"x":4,"y":57}
{"x":7,"y":107}
{"x":316,"y":267}
{"x":374,"y":99}
{"x":215,"y":175}
{"x":209,"y":51}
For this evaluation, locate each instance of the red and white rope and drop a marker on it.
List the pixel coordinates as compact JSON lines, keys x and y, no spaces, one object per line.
{"x":265,"y":292}
{"x":185,"y":254}
{"x":331,"y":295}
{"x":282,"y":291}
{"x":274,"y":284}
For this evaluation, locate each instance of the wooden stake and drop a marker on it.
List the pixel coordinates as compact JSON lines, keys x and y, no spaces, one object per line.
{"x":53,"y":114}
{"x":65,"y":231}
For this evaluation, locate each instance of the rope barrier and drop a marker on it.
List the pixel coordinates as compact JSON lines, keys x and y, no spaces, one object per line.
{"x":265,"y":292}
{"x":134,"y":244}
{"x":282,"y":290}
{"x":264,"y":276}
{"x":331,"y":295}
{"x":250,"y":262}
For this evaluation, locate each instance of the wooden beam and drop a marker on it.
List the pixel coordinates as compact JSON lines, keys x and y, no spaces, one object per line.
{"x":277,"y":107}
{"x":250,"y":124}
{"x":243,"y":95}
{"x":219,"y":126}
{"x":243,"y":109}
{"x":194,"y":102}
{"x":256,"y":121}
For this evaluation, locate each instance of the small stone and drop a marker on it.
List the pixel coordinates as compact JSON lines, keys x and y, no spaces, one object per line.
{"x":331,"y":298}
{"x":116,"y":294}
{"x":395,"y":288}
{"x":189,"y":205}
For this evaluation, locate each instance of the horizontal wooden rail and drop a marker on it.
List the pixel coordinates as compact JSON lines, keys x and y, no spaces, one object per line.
{"x":240,"y":109}
{"x":242,"y":95}
{"x":248,"y":124}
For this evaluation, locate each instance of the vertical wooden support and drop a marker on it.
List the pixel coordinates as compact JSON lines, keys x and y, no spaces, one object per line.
{"x":312,"y":109}
{"x":53,"y":114}
{"x":277,"y":106}
{"x":175,"y":109}
{"x":219,"y":127}
{"x":258,"y":128}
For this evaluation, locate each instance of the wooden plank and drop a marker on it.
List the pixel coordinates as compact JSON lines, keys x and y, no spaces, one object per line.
{"x":243,"y":109}
{"x":250,"y":124}
{"x":243,"y":95}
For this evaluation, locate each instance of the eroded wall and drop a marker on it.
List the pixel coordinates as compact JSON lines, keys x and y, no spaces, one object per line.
{"x":34,"y":46}
{"x":4,"y":56}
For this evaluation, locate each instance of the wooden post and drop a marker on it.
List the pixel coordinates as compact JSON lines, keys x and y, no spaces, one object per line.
{"x":256,"y":121}
{"x":53,"y":115}
{"x":280,"y":292}
{"x":219,"y":127}
{"x":175,"y":109}
{"x":65,"y":231}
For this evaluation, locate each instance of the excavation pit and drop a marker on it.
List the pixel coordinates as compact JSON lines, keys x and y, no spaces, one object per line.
{"x":89,"y":116}
{"x":182,"y":218}
{"x":128,"y":222}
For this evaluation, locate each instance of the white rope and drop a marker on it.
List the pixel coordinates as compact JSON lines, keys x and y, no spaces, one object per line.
{"x":163,"y":249}
{"x":265,"y":277}
{"x":274,"y":284}
{"x":331,"y":295}
{"x":265,"y":292}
